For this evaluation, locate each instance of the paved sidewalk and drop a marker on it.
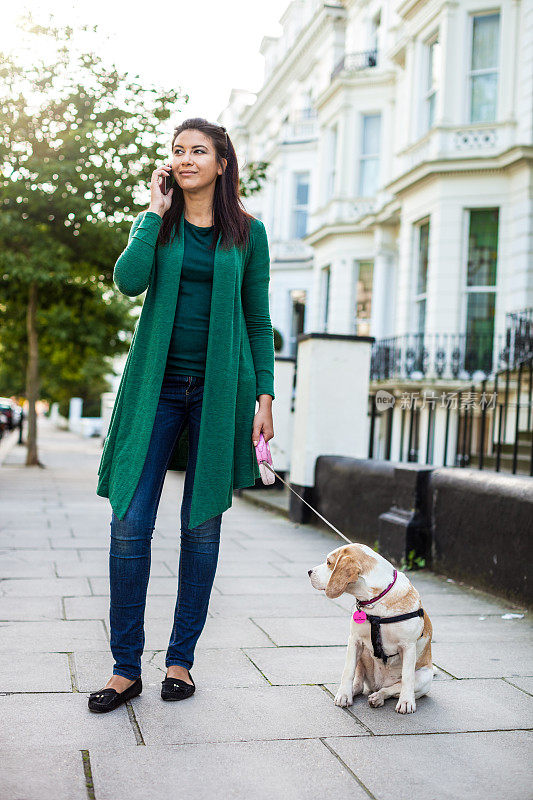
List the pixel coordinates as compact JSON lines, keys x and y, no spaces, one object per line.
{"x":262,"y":723}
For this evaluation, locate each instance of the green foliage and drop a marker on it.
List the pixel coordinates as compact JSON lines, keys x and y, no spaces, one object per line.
{"x":413,"y":561}
{"x":253,"y":178}
{"x":278,"y":340}
{"x":78,"y":142}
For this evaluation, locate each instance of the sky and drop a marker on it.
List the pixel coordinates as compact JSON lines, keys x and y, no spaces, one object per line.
{"x":206,"y":47}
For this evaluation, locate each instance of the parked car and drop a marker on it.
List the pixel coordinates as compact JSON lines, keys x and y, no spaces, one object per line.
{"x":11,"y":410}
{"x":4,"y":424}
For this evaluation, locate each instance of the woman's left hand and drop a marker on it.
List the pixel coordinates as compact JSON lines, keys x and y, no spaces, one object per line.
{"x":263,"y":422}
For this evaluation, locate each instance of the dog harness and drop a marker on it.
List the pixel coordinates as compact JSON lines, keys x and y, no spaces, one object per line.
{"x":361,"y":616}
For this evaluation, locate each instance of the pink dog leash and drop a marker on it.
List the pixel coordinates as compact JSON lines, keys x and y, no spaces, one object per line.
{"x":268,"y":473}
{"x":264,"y":459}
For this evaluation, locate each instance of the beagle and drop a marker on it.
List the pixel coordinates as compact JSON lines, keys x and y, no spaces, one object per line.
{"x":389,"y":649}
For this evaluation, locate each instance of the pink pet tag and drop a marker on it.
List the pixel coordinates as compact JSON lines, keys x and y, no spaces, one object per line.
{"x":359,"y":616}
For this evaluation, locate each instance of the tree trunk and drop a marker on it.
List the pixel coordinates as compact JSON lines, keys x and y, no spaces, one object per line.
{"x":32,"y":376}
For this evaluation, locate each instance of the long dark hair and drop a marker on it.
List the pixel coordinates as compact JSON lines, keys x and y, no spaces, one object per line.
{"x":230,"y":218}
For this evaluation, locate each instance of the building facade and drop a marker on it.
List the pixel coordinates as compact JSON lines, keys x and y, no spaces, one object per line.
{"x":398,"y":201}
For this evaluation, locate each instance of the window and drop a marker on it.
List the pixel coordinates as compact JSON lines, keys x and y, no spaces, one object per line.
{"x":308,"y":111}
{"x":297,"y":304}
{"x":332,"y":158}
{"x":481,"y":288}
{"x":325,"y":296}
{"x":432,"y":81}
{"x":363,"y":302}
{"x":421,"y":279}
{"x":484,"y":68}
{"x":301,"y":200}
{"x":369,"y":161}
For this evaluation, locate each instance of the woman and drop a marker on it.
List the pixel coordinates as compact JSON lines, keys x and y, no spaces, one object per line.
{"x":201,"y":355}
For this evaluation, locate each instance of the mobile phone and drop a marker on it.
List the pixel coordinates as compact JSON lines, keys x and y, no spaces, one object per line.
{"x":168,"y":183}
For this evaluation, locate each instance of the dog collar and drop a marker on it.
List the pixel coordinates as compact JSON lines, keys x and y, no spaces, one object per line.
{"x":360,"y":603}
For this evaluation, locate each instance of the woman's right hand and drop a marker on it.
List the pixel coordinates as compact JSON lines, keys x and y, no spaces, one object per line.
{"x":160,"y":202}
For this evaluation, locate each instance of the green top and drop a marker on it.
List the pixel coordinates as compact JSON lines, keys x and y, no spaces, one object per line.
{"x":188,"y":344}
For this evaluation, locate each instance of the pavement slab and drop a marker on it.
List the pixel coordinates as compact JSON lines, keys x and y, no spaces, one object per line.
{"x":244,"y":714}
{"x":61,"y":720}
{"x":387,"y":768}
{"x":53,"y":773}
{"x":297,"y":769}
{"x":451,"y":706}
{"x":495,"y":659}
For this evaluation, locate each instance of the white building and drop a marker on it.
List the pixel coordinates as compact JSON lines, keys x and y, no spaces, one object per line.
{"x":398,"y":200}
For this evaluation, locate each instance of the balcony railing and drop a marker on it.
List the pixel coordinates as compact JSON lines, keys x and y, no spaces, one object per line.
{"x":351,"y":62}
{"x":519,"y":335}
{"x":302,"y":127}
{"x":444,"y":356}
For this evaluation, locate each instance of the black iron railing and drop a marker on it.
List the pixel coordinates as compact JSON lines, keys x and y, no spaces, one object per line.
{"x":440,"y":355}
{"x":351,"y":62}
{"x":495,"y":433}
{"x":519,"y":335}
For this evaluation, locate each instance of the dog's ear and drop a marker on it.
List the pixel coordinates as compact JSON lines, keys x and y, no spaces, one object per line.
{"x":344,"y":572}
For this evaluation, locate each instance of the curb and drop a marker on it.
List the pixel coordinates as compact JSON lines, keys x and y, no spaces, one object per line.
{"x":7,"y":443}
{"x":265,"y":504}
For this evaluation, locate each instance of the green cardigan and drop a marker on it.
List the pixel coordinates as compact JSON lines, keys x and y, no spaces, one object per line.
{"x":239,"y":367}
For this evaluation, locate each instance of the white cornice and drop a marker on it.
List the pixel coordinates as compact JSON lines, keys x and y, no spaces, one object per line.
{"x":390,"y":212}
{"x":373,"y":76}
{"x":305,"y":43}
{"x":319,"y":235}
{"x":408,"y":8}
{"x":448,"y":166}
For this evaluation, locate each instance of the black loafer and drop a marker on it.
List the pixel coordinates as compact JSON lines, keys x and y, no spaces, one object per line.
{"x":176,"y":689}
{"x":108,"y":699}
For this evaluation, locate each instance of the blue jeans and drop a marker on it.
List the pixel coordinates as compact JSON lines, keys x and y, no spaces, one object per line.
{"x":131,"y":538}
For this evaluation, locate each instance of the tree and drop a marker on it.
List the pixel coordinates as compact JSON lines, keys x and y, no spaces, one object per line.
{"x":77,"y":143}
{"x":76,"y":328}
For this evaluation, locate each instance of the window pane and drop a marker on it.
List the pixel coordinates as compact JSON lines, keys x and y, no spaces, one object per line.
{"x":423,"y":255}
{"x":483,"y":98}
{"x":371,"y":134}
{"x":421,"y":316}
{"x":368,"y":177}
{"x":431,"y":110}
{"x":479,"y":331}
{"x":302,"y":189}
{"x":300,"y":223}
{"x":485,"y":41}
{"x":333,"y":146}
{"x":434,"y":64}
{"x":482,"y":247}
{"x":364,"y":298}
{"x":332,"y":155}
{"x":325,"y":295}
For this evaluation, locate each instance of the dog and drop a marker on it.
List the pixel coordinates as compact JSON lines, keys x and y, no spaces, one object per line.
{"x":382,"y":659}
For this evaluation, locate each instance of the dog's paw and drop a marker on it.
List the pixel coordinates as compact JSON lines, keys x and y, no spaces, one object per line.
{"x":404,"y":706}
{"x":376,"y":699}
{"x":343,"y":697}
